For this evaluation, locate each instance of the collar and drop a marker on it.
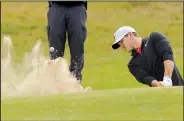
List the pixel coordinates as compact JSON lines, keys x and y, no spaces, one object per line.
{"x":139,"y":50}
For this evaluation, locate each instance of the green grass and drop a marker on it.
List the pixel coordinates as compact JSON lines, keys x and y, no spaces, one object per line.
{"x":117,"y":104}
{"x":104,"y":68}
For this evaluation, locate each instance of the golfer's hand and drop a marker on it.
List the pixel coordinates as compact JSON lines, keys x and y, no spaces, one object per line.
{"x":156,"y":83}
{"x":167,"y":81}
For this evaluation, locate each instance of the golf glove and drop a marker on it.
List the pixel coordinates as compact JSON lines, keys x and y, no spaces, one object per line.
{"x":167,"y":81}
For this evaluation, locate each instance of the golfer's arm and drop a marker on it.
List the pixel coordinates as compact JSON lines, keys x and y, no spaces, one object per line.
{"x":168,"y":68}
{"x":143,"y":76}
{"x":164,"y":49}
{"x":168,"y":61}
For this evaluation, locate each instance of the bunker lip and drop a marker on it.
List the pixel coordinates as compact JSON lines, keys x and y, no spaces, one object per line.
{"x":36,"y":75}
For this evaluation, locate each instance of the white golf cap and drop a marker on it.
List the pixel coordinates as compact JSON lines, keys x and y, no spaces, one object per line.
{"x":120,"y":33}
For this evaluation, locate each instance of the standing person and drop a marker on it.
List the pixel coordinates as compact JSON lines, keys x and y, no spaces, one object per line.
{"x":70,"y":17}
{"x":152,"y":60}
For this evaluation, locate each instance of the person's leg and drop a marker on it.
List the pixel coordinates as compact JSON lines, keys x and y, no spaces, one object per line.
{"x":56,"y":31}
{"x":77,"y":32}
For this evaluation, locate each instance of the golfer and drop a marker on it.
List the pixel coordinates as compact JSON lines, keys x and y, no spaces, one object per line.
{"x":152,"y":61}
{"x":68,"y":17}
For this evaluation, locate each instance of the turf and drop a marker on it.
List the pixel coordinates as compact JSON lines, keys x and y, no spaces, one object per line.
{"x":116,"y":104}
{"x":104,"y":68}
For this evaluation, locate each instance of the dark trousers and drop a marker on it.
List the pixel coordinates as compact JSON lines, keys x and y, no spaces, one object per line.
{"x":70,"y":20}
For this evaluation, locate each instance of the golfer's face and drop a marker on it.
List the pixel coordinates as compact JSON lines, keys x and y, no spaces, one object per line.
{"x":125,"y":43}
